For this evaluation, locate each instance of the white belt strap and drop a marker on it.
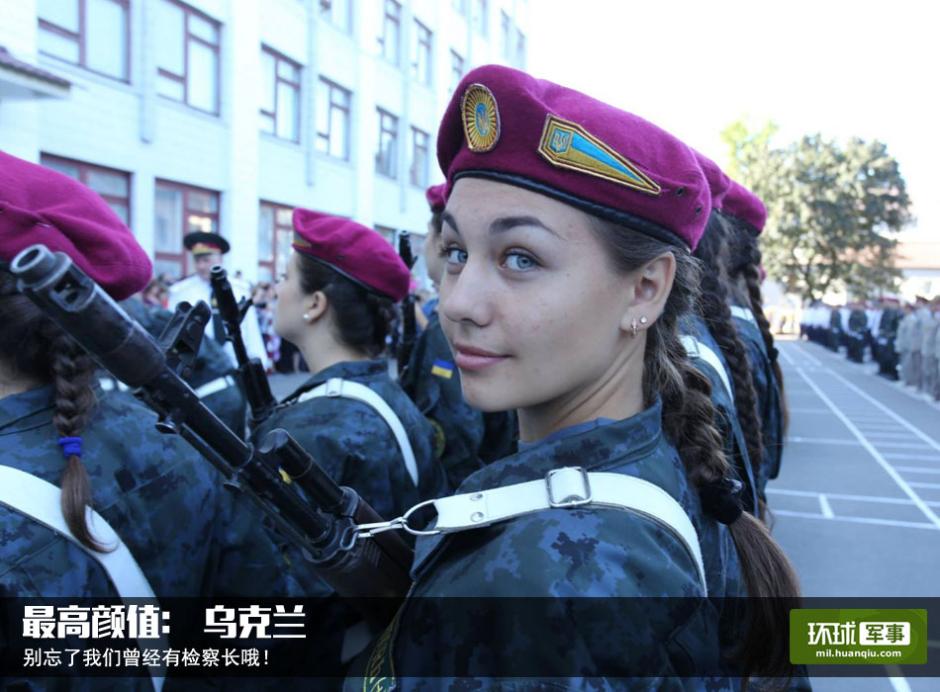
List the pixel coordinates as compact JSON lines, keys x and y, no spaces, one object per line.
{"x":696,"y":349}
{"x":571,"y":487}
{"x":338,"y":387}
{"x":40,"y":500}
{"x":743,"y":314}
{"x":216,"y":385}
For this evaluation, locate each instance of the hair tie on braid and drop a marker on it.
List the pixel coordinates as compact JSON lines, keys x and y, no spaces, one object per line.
{"x":71,"y":446}
{"x":722,"y":499}
{"x":773,"y":353}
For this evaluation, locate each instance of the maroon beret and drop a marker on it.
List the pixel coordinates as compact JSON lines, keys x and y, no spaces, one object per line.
{"x":745,"y":206}
{"x":358,"y":253}
{"x":38,"y":205}
{"x":505,"y":125}
{"x":718,"y":181}
{"x":436,"y":196}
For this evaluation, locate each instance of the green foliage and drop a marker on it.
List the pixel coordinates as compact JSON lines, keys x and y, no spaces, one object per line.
{"x":832,"y":209}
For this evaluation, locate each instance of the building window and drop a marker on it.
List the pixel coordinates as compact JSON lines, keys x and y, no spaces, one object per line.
{"x":187,"y":56}
{"x":178,"y":210}
{"x":280,"y":95}
{"x":421,"y":61}
{"x":420,"y":155}
{"x":480,"y":17}
{"x":91,"y":33}
{"x":333,"y":111}
{"x":388,"y":233}
{"x":520,"y":50}
{"x":338,"y":13}
{"x":456,"y":70}
{"x":386,"y":159}
{"x":505,"y":35}
{"x":114,"y":186}
{"x":275,"y":235}
{"x":460,"y":7}
{"x":391,"y":32}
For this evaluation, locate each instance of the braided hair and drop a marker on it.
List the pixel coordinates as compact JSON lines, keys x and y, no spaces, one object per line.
{"x":32,"y":346}
{"x":714,"y":308}
{"x":689,"y":423}
{"x":362,"y":318}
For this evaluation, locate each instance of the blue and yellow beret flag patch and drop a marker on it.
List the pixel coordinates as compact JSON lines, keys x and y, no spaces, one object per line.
{"x":443,"y":368}
{"x":480,"y":118}
{"x":568,"y":145}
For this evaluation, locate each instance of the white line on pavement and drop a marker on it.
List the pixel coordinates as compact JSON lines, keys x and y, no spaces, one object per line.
{"x":825,"y":508}
{"x":903,"y":484}
{"x":923,"y":484}
{"x":903,"y":456}
{"x":916,"y":469}
{"x":898,"y":681}
{"x":856,"y":520}
{"x":841,"y":496}
{"x":822,"y":440}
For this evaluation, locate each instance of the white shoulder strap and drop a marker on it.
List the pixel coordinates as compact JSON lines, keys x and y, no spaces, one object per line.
{"x":696,"y":349}
{"x":40,"y":500}
{"x":571,"y":487}
{"x":347,"y":389}
{"x":743,"y":314}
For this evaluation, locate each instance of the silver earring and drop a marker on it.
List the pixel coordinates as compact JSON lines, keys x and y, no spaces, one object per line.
{"x":643,"y":319}
{"x":306,"y":316}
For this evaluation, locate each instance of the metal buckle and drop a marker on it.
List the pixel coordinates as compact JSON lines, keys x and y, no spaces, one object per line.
{"x":570,"y":500}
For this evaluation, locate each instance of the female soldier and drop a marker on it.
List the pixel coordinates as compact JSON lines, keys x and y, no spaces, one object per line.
{"x":163,"y":523}
{"x":733,"y":396}
{"x":466,"y":438}
{"x":335,"y":304}
{"x":747,"y":215}
{"x":567,"y":236}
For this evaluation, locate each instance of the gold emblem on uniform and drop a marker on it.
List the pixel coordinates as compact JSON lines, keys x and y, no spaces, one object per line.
{"x":480,"y":118}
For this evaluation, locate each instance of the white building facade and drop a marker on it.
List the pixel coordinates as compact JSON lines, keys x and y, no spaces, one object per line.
{"x":223,"y":115}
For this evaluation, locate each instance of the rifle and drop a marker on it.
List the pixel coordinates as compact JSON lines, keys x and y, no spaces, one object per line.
{"x":409,"y":326}
{"x":329,"y":530}
{"x":250,"y":371}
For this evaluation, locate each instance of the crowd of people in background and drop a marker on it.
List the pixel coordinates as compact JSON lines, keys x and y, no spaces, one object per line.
{"x":902,"y":339}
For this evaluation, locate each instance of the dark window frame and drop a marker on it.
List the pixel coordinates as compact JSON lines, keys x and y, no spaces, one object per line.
{"x":84,"y":169}
{"x":455,"y":60}
{"x":270,"y":263}
{"x":422,"y":180}
{"x":188,"y":37}
{"x":391,"y":169}
{"x":296,"y":86}
{"x":182,"y":257}
{"x":391,"y":14}
{"x":346,"y":109}
{"x":424,"y":40}
{"x":82,"y":36}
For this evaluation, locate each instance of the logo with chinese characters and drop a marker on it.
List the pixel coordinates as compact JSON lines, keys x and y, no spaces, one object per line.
{"x":855,"y":636}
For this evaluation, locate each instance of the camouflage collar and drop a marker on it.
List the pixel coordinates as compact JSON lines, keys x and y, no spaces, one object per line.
{"x":594,"y":449}
{"x":17,"y":408}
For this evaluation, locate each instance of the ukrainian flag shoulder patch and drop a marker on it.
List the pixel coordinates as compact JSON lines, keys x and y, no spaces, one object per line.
{"x":442,"y":368}
{"x":568,"y":145}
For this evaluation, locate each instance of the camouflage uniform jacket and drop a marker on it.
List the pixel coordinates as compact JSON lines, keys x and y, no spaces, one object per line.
{"x":466,"y":439}
{"x":355,"y":446}
{"x":769,"y":405}
{"x":561,"y":553}
{"x":189,"y":534}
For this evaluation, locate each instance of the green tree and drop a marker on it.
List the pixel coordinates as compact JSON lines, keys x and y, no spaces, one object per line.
{"x":832,"y":208}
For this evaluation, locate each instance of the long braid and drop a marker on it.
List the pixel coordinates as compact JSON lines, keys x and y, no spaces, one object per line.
{"x":751,"y":274}
{"x":35,"y":348}
{"x":714,"y":307}
{"x":689,"y":423}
